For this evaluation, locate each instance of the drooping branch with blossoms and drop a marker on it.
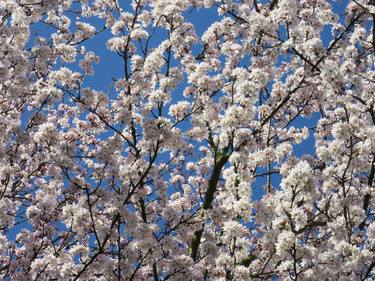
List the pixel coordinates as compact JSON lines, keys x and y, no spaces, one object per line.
{"x":187,"y":163}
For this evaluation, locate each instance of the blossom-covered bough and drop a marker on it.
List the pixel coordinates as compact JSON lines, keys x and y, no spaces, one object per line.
{"x":155,"y":175}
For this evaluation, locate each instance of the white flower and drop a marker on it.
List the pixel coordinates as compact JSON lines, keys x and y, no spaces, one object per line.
{"x":4,"y":71}
{"x":3,"y":245}
{"x":299,"y":176}
{"x":233,"y":229}
{"x":86,"y":63}
{"x":68,"y":52}
{"x":87,"y":29}
{"x":179,"y":110}
{"x":159,"y":96}
{"x":371,"y":232}
{"x":285,"y":241}
{"x":154,"y":61}
{"x":138,"y":33}
{"x":46,"y":132}
{"x":116,"y":43}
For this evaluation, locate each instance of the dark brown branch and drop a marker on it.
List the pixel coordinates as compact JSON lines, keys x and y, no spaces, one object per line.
{"x":273,"y":4}
{"x":220,"y":161}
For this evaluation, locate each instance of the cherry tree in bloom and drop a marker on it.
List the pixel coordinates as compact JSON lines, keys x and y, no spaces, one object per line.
{"x":185,"y":167}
